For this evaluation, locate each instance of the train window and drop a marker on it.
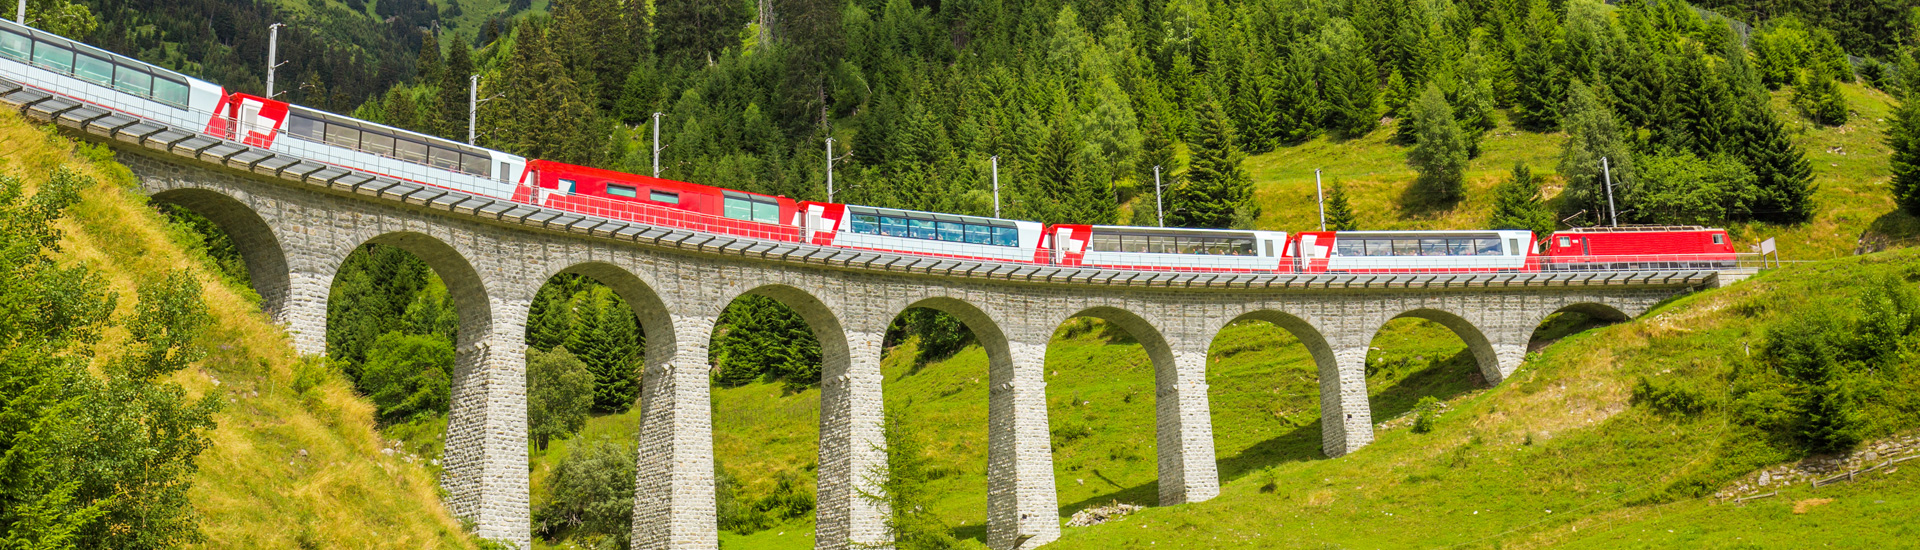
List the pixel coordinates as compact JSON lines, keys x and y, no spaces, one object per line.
{"x":1269,"y":248}
{"x":622,"y":190}
{"x":979,"y":234}
{"x":1565,"y":242}
{"x":53,"y":58}
{"x":132,"y":80}
{"x":410,"y":151}
{"x":93,"y":69}
{"x":766,"y":212}
{"x":865,"y":224}
{"x":1241,"y":247}
{"x":15,"y":47}
{"x":920,"y":229}
{"x":474,"y":164}
{"x":1433,"y":247}
{"x":1406,"y":247}
{"x":1349,"y":247}
{"x":1487,"y":247}
{"x":567,"y":186}
{"x":304,"y":128}
{"x":1513,"y":245}
{"x":1135,"y":243}
{"x":951,"y":231}
{"x":893,"y":227}
{"x":1460,"y":247}
{"x":377,"y":143}
{"x":737,"y":208}
{"x":343,"y":136}
{"x":1719,"y":239}
{"x":1104,"y":243}
{"x":446,"y":159}
{"x":170,"y":92}
{"x":1006,"y":236}
{"x":1379,"y":247}
{"x":663,"y":196}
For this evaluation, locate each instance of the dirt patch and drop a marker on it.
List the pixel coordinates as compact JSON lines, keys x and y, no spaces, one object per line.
{"x":1803,"y":506}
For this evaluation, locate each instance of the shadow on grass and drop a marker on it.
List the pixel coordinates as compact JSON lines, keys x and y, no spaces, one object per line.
{"x":1417,"y":202}
{"x":1891,"y":230}
{"x":978,"y":533}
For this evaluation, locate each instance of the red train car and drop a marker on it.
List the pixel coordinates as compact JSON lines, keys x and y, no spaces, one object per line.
{"x":1639,"y":247}
{"x":656,"y":201}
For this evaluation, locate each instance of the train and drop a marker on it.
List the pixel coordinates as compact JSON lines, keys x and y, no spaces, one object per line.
{"x":66,"y":67}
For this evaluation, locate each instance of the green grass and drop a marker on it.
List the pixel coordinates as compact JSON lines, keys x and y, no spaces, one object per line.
{"x":1849,"y":164}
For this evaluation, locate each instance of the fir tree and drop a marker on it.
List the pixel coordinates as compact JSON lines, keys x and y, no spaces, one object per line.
{"x":1903,"y":140}
{"x":1156,"y":149}
{"x":1782,"y":174}
{"x":550,"y":318}
{"x":607,"y":341}
{"x":429,"y":63}
{"x":701,"y":29}
{"x":1297,"y":107}
{"x":1592,"y":135}
{"x":1704,"y":105}
{"x":451,"y":109}
{"x":1439,"y":152}
{"x":1539,"y":80}
{"x":1819,"y":97}
{"x":1350,"y":89}
{"x":1216,"y":189}
{"x":1517,"y":204}
{"x":1340,"y":215}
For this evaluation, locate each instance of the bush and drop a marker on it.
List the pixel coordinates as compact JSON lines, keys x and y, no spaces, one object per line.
{"x":1681,"y":397}
{"x":408,"y":376}
{"x":1682,"y":189}
{"x":559,"y":395}
{"x":590,"y":496}
{"x":1426,"y":415}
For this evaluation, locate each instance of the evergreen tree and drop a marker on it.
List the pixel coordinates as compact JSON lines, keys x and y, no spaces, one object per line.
{"x":1349,"y":85}
{"x":1819,"y":97}
{"x":607,"y":341}
{"x":429,"y":63}
{"x":454,"y":83}
{"x":1903,"y":140}
{"x":1255,"y":107}
{"x":1340,"y":215}
{"x":1704,"y":105}
{"x":1439,"y":152}
{"x":1540,"y":83}
{"x":700,"y":29}
{"x":1297,"y":108}
{"x":1517,"y":204}
{"x":1215,"y":191}
{"x":1156,"y":149}
{"x":1399,"y":103}
{"x":1783,"y":177}
{"x":1592,"y":135}
{"x":550,"y":318}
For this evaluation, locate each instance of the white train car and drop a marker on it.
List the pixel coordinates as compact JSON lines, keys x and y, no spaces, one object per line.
{"x":349,"y":142}
{"x":54,"y":64}
{"x":924,"y":233}
{"x":1167,"y":248}
{"x":1412,"y":251}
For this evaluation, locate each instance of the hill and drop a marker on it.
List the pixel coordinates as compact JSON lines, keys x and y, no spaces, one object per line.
{"x":294,"y":460}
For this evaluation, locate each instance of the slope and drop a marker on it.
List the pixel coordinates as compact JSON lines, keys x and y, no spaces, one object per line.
{"x":295,"y":461}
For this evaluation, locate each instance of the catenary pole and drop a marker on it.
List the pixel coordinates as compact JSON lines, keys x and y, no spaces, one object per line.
{"x":656,"y":144}
{"x":1321,"y":197}
{"x":21,"y":17}
{"x":1159,"y":210}
{"x":273,"y":49}
{"x":996,"y":184}
{"x":829,"y":169}
{"x":1613,"y":216}
{"x":473,"y":104}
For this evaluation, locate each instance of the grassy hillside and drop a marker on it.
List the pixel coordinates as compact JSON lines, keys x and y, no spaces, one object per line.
{"x":287,"y":468}
{"x":1849,"y":165}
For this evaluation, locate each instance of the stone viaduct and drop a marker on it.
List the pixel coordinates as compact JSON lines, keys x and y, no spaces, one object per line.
{"x":295,"y":222}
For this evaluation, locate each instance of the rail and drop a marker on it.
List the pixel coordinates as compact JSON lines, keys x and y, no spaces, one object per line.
{"x":137,"y":132}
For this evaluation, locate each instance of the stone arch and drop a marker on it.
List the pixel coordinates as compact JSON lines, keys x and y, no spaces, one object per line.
{"x":464,"y":285}
{"x":1593,"y":310}
{"x":1346,"y":421}
{"x":1494,"y":367}
{"x":257,"y":241}
{"x":639,"y":294}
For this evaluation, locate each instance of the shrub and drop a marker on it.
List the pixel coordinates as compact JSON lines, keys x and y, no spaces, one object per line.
{"x":1426,"y":415}
{"x":590,"y":495}
{"x":1681,"y":397}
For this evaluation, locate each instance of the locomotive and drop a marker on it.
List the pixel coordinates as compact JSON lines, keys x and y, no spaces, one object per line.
{"x":75,"y":70}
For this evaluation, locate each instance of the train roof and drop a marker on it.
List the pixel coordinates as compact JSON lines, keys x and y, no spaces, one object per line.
{"x":1424,"y":233}
{"x":1640,"y":229}
{"x":937,"y":216}
{"x":330,"y":118}
{"x":1178,"y":230}
{"x":81,"y":47}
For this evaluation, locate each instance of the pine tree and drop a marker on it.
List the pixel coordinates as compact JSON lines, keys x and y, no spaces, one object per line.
{"x":1517,"y":204}
{"x":1216,"y":189}
{"x":1592,"y":135}
{"x":550,"y":318}
{"x":429,"y":63}
{"x":1297,"y":106}
{"x":1255,"y":107}
{"x":1439,"y":152}
{"x":1339,"y":213}
{"x":1351,"y":93}
{"x":1399,"y":103}
{"x":1782,"y":174}
{"x":606,"y":340}
{"x":1156,"y":149}
{"x":1819,"y":97}
{"x":1703,"y":105}
{"x":451,"y":109}
{"x":701,"y":29}
{"x":1903,"y":140}
{"x":1540,"y":81}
